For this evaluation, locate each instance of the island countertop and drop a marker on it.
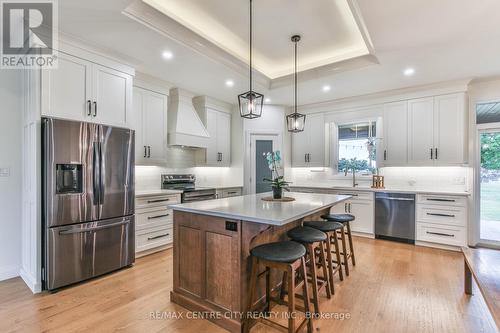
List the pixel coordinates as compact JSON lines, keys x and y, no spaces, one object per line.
{"x":252,"y":208}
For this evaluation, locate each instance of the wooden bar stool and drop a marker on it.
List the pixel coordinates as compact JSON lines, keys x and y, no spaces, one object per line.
{"x":330,"y":228}
{"x":313,"y":239}
{"x":287,"y":257}
{"x":347,"y":253}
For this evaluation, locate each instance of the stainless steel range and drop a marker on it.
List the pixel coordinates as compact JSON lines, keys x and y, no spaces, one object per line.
{"x":187,"y":184}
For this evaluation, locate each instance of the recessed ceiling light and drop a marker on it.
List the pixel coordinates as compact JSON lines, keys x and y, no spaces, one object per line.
{"x":167,"y":55}
{"x":268,"y":100}
{"x":409,"y":71}
{"x":326,"y":88}
{"x":229,"y":83}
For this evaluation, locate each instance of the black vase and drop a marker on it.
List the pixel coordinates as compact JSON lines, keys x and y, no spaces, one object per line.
{"x":277,"y":192}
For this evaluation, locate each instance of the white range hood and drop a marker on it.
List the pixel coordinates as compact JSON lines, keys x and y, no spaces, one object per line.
{"x":185,"y":127}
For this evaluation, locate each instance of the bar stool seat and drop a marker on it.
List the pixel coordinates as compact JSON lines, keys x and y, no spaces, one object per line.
{"x":324,"y":226}
{"x":342,"y":218}
{"x":285,"y":252}
{"x":306,"y":235}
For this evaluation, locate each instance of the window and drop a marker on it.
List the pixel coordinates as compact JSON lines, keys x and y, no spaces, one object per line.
{"x":357,"y":147}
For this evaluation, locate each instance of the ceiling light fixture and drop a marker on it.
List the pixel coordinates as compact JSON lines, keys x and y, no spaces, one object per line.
{"x":167,"y":55}
{"x":267,"y":100}
{"x":326,"y":88}
{"x":295,"y":121}
{"x":409,"y":71}
{"x":229,"y":83}
{"x":250,"y":102}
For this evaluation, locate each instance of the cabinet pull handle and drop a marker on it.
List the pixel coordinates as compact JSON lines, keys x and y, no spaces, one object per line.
{"x":439,"y":234}
{"x":345,"y":207}
{"x":149,"y":151}
{"x":305,"y":158}
{"x":385,"y":155}
{"x":436,"y":153}
{"x":158,"y":200}
{"x":89,"y":107}
{"x":232,"y":192}
{"x":441,"y":215}
{"x":95,"y":109}
{"x":145,"y":151}
{"x":157,"y":216}
{"x":432,"y":155}
{"x":443,"y":200}
{"x":159,"y":236}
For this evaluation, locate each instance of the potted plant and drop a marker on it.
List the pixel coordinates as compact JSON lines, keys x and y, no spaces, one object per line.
{"x":278,"y":182}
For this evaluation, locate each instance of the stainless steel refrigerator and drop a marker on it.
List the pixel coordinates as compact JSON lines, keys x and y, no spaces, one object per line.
{"x":88,"y":201}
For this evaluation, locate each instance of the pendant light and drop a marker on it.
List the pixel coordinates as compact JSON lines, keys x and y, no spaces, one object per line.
{"x":250,"y":102}
{"x":295,"y":121}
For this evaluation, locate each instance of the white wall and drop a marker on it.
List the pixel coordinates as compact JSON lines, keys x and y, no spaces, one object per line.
{"x":10,"y":187}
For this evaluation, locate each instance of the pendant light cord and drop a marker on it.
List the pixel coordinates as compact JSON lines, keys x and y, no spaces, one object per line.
{"x":295,"y":76}
{"x":251,"y":45}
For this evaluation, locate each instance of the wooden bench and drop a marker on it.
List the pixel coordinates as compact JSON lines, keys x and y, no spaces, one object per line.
{"x":484,"y":266}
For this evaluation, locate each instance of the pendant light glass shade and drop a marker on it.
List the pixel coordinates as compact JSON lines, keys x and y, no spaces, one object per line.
{"x":296,"y":121}
{"x":250,"y":102}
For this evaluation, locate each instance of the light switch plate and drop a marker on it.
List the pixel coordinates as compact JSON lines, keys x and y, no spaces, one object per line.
{"x":5,"y":172}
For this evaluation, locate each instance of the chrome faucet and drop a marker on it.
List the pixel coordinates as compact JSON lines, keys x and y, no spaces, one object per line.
{"x":354,"y":184}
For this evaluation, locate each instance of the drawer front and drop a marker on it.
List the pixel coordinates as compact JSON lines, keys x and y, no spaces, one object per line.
{"x":231,"y":192}
{"x":158,"y":201}
{"x":365,"y":196}
{"x":456,"y":236}
{"x":153,"y":218}
{"x":441,"y":200}
{"x":448,"y":215}
{"x":155,"y":237}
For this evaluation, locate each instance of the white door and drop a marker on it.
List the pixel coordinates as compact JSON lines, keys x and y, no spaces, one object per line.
{"x":155,"y":127}
{"x":260,"y":144}
{"x":449,"y":129}
{"x":137,"y":122}
{"x":315,"y":128}
{"x":395,"y":133}
{"x":212,"y":153}
{"x":421,"y":131}
{"x":363,"y":211}
{"x":224,"y":138}
{"x":66,"y":91}
{"x":112,"y":96}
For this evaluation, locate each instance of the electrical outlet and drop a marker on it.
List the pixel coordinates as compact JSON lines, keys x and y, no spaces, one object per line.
{"x":5,"y":172}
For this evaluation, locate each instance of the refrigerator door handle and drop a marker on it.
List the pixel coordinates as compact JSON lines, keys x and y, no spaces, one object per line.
{"x":102,"y":175}
{"x":81,"y":230}
{"x":96,"y":173}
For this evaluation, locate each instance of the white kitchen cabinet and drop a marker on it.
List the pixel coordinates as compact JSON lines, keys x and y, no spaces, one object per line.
{"x":437,"y":130}
{"x":83,"y":90}
{"x":395,"y":140}
{"x":67,"y":91}
{"x":308,"y":147}
{"x":218,"y":151}
{"x":150,"y":123}
{"x":361,"y":205}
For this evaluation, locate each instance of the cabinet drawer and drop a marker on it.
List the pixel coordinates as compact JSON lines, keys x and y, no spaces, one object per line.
{"x":447,"y":235}
{"x":231,"y":192}
{"x":442,"y":200}
{"x":154,"y":218}
{"x":357,"y":195}
{"x":158,"y":201}
{"x":151,"y":238}
{"x":449,"y":215}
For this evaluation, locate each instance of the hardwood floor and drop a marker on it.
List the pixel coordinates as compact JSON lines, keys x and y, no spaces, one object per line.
{"x":394,"y":288}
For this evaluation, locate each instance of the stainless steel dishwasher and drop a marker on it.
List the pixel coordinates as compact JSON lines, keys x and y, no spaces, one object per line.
{"x":395,"y":216}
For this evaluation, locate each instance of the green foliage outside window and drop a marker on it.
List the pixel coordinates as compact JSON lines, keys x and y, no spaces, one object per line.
{"x":490,"y":151}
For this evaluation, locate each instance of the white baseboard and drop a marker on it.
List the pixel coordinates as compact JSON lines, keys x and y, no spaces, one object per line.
{"x":8,"y":272}
{"x":363,"y":234}
{"x":438,"y":246}
{"x":31,"y":281}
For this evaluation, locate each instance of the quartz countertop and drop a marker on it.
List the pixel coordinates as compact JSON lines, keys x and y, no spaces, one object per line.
{"x":152,"y":192}
{"x":389,"y":189}
{"x":253,"y":209}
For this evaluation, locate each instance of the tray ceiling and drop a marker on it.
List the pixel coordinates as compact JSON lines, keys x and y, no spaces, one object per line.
{"x":332,"y":30}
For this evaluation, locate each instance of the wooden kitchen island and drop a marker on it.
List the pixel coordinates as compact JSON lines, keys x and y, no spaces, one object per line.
{"x":212,"y":243}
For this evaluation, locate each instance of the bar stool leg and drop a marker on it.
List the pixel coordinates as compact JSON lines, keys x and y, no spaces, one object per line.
{"x":307,"y":302}
{"x":330,"y":264}
{"x":337,"y":254}
{"x":351,"y":248}
{"x":253,"y":286}
{"x":291,"y":298}
{"x":268,"y":290}
{"x":344,"y":251}
{"x":314,"y":277}
{"x":326,"y":275}
{"x":283,"y":286}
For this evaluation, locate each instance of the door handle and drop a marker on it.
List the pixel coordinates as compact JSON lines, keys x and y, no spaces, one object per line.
{"x":159,"y":236}
{"x":102,"y":175}
{"x":95,"y":109}
{"x":439,"y":234}
{"x":432,"y":156}
{"x":89,"y":107}
{"x":149,"y":151}
{"x":345,"y":207}
{"x":441,"y":215}
{"x":443,"y":200}
{"x":385,"y":155}
{"x":436,"y":153}
{"x":349,"y":207}
{"x":157,"y":216}
{"x":145,"y":151}
{"x":221,"y":157}
{"x":82,"y":230}
{"x":95,"y":174}
{"x":305,"y":158}
{"x":158,"y":200}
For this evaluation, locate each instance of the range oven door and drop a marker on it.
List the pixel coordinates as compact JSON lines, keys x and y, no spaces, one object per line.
{"x":198,"y":195}
{"x":82,"y":251}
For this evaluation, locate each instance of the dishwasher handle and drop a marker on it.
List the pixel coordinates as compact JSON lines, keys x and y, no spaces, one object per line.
{"x":395,"y":198}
